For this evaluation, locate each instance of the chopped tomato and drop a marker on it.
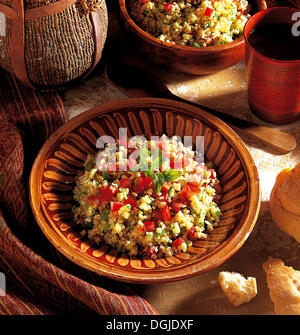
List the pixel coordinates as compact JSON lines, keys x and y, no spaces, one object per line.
{"x":212,"y":173}
{"x":154,"y":194}
{"x":130,"y":202}
{"x":144,"y":182}
{"x":178,"y":242}
{"x":138,"y":189}
{"x":106,"y":193}
{"x":144,"y":1}
{"x":116,"y":206}
{"x":166,"y":187}
{"x":193,"y":236}
{"x":176,"y":206}
{"x":166,"y":214}
{"x":164,"y":196}
{"x":143,"y":229}
{"x":168,"y":6}
{"x":156,"y":214}
{"x":189,"y":190}
{"x":150,"y":225}
{"x":151,"y":250}
{"x":125,"y":182}
{"x":208,"y":11}
{"x":94,"y":200}
{"x":148,"y":182}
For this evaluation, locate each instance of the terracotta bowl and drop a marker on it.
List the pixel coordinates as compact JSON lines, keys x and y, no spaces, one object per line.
{"x":52,"y":181}
{"x":190,"y":60}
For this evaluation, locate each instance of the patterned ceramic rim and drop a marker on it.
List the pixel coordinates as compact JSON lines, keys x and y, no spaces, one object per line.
{"x":52,"y":177}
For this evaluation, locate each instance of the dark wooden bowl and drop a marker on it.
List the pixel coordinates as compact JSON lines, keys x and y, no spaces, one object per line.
{"x":190,"y":60}
{"x":52,"y":182}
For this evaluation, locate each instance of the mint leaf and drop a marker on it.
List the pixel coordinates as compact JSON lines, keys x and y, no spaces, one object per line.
{"x":158,"y":182}
{"x":172,"y":175}
{"x":150,"y":173}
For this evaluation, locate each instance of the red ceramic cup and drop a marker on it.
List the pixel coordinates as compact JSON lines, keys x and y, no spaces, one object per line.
{"x":273,"y":85}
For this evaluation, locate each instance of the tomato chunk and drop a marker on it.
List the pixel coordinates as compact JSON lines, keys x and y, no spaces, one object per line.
{"x":168,"y":6}
{"x":166,"y":213}
{"x":151,"y":251}
{"x":208,"y":11}
{"x":125,"y":182}
{"x":177,"y":205}
{"x":178,"y":242}
{"x":150,"y":225}
{"x":143,"y":183}
{"x":212,"y":173}
{"x":189,"y":190}
{"x":94,"y":200}
{"x":156,"y":215}
{"x":130,"y":202}
{"x":116,"y":206}
{"x":106,"y":193}
{"x":193,"y":236}
{"x":166,"y":187}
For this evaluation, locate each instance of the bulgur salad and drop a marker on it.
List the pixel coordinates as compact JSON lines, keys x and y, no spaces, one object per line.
{"x":197,"y":23}
{"x":155,"y":205}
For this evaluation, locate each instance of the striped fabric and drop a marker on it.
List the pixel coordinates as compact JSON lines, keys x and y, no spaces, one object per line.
{"x":39,"y":280}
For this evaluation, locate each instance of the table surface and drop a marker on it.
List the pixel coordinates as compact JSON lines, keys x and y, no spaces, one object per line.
{"x":225,"y":91}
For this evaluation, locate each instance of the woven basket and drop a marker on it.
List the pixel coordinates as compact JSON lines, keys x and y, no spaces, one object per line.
{"x":47,"y":44}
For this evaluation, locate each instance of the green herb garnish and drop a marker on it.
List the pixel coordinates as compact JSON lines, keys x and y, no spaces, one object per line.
{"x":104,"y":215}
{"x":106,"y":176}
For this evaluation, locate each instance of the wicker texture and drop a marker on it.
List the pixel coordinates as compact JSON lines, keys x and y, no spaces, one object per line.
{"x":59,"y":48}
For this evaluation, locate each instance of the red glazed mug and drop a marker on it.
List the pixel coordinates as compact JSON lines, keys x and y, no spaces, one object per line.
{"x":273,"y":85}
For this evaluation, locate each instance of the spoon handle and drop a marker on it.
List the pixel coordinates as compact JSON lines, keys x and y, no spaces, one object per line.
{"x":278,"y":140}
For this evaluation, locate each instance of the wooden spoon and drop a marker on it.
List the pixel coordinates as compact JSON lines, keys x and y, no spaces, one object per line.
{"x":138,"y":83}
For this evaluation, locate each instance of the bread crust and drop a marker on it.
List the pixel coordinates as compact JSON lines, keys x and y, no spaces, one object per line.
{"x":285,"y":202}
{"x":284,"y":285}
{"x":285,"y":220}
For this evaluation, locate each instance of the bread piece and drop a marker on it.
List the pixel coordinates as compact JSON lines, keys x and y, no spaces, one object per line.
{"x":284,"y":286}
{"x":285,"y":202}
{"x":237,"y":288}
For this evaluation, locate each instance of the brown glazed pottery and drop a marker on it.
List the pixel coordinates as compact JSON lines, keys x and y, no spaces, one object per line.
{"x":63,"y":155}
{"x":190,"y":60}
